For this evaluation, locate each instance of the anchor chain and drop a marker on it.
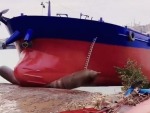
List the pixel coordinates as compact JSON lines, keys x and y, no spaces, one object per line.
{"x":90,"y":53}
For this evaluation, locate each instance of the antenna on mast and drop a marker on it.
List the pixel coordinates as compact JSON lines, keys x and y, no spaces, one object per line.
{"x":49,"y":8}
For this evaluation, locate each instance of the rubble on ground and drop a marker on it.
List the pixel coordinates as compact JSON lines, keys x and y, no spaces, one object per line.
{"x":15,"y":99}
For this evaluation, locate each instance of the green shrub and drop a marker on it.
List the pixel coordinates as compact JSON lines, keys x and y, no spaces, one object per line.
{"x":131,"y":74}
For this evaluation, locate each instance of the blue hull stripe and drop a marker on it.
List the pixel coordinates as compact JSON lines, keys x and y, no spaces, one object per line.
{"x":76,"y":29}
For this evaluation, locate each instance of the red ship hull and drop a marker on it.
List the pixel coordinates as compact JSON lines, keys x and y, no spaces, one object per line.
{"x":61,"y":46}
{"x":51,"y":59}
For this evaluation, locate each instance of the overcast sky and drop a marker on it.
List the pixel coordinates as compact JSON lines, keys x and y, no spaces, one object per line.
{"x":120,"y":12}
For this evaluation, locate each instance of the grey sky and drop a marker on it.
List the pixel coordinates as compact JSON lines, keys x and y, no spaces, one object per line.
{"x":120,"y":12}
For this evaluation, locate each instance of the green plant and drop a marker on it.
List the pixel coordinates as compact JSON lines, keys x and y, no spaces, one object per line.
{"x":130,"y":74}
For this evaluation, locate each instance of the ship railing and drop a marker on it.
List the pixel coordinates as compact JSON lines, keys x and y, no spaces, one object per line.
{"x":86,"y":16}
{"x":60,"y":15}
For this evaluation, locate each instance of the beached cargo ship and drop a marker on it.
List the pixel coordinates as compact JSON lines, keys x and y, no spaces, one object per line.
{"x":52,"y":47}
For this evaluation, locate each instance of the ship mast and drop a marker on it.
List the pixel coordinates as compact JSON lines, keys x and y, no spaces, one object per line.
{"x":49,"y":8}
